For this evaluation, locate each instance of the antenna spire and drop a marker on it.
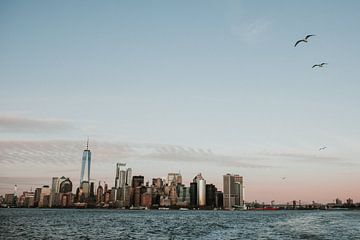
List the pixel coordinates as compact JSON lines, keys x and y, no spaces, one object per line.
{"x":87,"y":144}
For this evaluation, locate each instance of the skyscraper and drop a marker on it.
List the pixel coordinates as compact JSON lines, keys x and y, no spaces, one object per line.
{"x":128,"y":179}
{"x":137,"y":181}
{"x":65,"y":186}
{"x":239,"y":190}
{"x":201,"y":190}
{"x":210,"y":195}
{"x":99,"y":194}
{"x":122,"y":176}
{"x":85,"y":166}
{"x":193,"y":194}
{"x":55,"y":185}
{"x":233,"y":191}
{"x":174,"y":178}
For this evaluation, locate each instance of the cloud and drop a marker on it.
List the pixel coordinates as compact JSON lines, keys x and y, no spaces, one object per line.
{"x":306,"y":157}
{"x":63,"y":152}
{"x":17,"y":123}
{"x":250,"y":31}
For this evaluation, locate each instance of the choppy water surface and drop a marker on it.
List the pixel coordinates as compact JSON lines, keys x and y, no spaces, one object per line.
{"x":116,"y":224}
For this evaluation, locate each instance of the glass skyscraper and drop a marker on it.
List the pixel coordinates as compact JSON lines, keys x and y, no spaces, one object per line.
{"x":85,"y":165}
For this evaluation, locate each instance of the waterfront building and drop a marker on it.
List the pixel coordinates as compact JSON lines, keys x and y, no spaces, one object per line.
{"x":138,"y":191}
{"x":157,"y":183}
{"x":85,"y":189}
{"x":128,"y":180}
{"x":123,"y":175}
{"x":120,"y":176}
{"x":164,"y":201}
{"x":219,"y":200}
{"x":173,"y":195}
{"x":184,"y":196}
{"x":55,"y":185}
{"x":210,"y":195}
{"x":37,"y":197}
{"x":114,"y":194}
{"x":174,"y":178}
{"x":65,"y":185}
{"x":10,"y":199}
{"x":137,"y":181}
{"x":59,"y":185}
{"x":66,"y":200}
{"x":233,"y":191}
{"x":193,"y":194}
{"x":85,"y":165}
{"x":99,"y":194}
{"x":201,"y":190}
{"x":239,"y":191}
{"x":146,"y":200}
{"x":229,"y":191}
{"x":44,"y":196}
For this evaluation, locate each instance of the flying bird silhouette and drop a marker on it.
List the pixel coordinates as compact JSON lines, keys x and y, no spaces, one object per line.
{"x":319,"y":65}
{"x":322,"y":148}
{"x":283,"y":178}
{"x":305,"y":40}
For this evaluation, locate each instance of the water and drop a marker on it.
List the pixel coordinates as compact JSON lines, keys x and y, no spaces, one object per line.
{"x":116,"y":224}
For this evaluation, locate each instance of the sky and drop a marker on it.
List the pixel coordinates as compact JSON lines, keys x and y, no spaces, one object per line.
{"x":193,"y":86}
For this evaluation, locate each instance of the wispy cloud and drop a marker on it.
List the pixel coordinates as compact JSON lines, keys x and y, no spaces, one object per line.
{"x":18,"y":123}
{"x":65,"y":152}
{"x":250,"y":31}
{"x":306,"y":158}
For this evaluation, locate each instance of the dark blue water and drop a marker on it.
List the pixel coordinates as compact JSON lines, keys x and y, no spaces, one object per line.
{"x":116,"y":224}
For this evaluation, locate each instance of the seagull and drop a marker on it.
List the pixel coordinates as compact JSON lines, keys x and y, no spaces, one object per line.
{"x":322,"y":148}
{"x":319,"y":65}
{"x":304,"y":40}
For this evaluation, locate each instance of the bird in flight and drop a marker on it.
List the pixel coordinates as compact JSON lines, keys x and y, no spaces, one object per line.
{"x":305,"y":40}
{"x":322,"y":148}
{"x":283,"y":178}
{"x":319,"y":65}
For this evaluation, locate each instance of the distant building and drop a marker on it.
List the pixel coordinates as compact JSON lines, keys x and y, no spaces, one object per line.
{"x":338,"y":201}
{"x":137,"y":181}
{"x":184,"y":196}
{"x":10,"y":199}
{"x":174,"y":178}
{"x":65,"y":185}
{"x":193,"y":195}
{"x":239,"y":190}
{"x":201,"y":190}
{"x":99,"y":194}
{"x":55,"y":185}
{"x":37,"y":197}
{"x":146,"y":200}
{"x":85,"y":189}
{"x":157,"y":183}
{"x":44,"y":196}
{"x":229,"y":191}
{"x":349,"y":201}
{"x":138,"y":191}
{"x":85,"y":165}
{"x":120,"y":177}
{"x":219,"y":200}
{"x":173,"y":195}
{"x":233,"y":191}
{"x":210,"y":195}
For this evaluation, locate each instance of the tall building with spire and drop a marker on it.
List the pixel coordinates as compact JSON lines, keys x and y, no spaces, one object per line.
{"x":85,"y":165}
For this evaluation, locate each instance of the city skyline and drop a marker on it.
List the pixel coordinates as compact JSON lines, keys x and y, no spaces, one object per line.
{"x":206,"y":86}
